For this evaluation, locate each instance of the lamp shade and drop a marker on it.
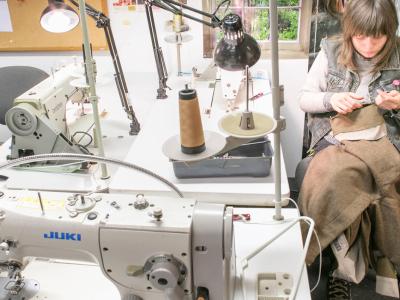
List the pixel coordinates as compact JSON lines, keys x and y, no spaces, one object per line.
{"x":58,"y":17}
{"x":236,"y":49}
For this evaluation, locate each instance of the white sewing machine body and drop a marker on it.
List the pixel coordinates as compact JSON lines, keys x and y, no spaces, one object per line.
{"x":151,"y":248}
{"x":38,"y":118}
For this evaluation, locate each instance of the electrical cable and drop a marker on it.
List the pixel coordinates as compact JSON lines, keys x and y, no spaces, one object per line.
{"x":319,"y":246}
{"x":83,"y":133}
{"x":244,"y":261}
{"x":87,"y":158}
{"x":314,"y":231}
{"x":219,"y":6}
{"x":84,"y":149}
{"x":292,"y":222}
{"x":320,"y":262}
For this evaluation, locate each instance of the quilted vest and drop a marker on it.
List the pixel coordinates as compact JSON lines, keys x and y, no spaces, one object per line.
{"x":340,"y":79}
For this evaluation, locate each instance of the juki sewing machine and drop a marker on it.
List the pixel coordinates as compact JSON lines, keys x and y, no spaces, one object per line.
{"x":151,"y":248}
{"x":38,"y":118}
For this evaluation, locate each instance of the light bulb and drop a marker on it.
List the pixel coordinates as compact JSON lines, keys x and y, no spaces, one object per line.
{"x":60,"y":20}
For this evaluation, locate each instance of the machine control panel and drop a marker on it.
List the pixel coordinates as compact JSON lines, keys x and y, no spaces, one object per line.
{"x":112,"y":209}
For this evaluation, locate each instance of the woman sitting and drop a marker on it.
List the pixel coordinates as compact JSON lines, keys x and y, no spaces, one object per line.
{"x":352,"y":185}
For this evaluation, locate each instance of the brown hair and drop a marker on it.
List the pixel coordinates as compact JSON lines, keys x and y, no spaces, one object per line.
{"x":334,"y":7}
{"x":370,"y":18}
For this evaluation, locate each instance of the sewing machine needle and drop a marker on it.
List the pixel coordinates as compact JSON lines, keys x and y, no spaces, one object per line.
{"x":41,"y":203}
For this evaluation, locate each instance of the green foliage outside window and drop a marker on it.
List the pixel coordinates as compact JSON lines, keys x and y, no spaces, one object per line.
{"x":288,"y":24}
{"x":255,"y":15}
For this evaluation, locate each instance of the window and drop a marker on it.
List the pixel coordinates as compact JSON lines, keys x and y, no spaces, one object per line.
{"x":293,"y":23}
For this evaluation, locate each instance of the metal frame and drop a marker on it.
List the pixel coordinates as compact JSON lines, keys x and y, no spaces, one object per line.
{"x":90,"y":66}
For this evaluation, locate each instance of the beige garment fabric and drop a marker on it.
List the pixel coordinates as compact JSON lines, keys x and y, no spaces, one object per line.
{"x":352,"y":262}
{"x":354,"y":188}
{"x":358,"y":120}
{"x":386,"y":279}
{"x":372,"y":134}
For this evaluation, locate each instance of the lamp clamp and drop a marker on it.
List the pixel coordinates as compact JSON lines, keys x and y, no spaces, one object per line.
{"x":280,"y":125}
{"x":102,"y":21}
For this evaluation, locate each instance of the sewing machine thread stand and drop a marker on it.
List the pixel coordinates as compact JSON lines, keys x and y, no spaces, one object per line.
{"x":247,"y":120}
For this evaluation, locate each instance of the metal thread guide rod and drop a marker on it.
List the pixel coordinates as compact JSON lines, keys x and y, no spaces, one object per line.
{"x":41,"y":203}
{"x":89,"y":63}
{"x":247,"y":88}
{"x":276,"y":106}
{"x":247,"y":119}
{"x":178,"y":52}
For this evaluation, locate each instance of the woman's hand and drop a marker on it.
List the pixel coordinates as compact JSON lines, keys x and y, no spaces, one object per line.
{"x":388,"y":100}
{"x":345,"y":103}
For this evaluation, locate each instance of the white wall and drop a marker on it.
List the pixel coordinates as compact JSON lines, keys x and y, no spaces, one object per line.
{"x":292,"y":74}
{"x":135,"y":51}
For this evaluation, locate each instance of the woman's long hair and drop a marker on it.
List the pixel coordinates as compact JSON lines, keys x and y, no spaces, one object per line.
{"x":370,"y":18}
{"x":334,"y":7}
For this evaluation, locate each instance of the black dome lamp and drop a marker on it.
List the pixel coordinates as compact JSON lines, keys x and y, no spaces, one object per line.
{"x":236,"y":49}
{"x":235,"y":52}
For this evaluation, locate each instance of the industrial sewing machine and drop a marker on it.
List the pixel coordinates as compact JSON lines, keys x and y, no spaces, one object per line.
{"x":38,"y":119}
{"x":151,"y":248}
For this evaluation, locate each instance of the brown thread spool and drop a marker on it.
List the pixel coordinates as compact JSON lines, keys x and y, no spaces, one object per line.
{"x":191,"y":129}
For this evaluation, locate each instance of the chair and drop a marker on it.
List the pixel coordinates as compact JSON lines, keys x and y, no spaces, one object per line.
{"x":302,"y":166}
{"x":326,"y":24}
{"x":301,"y":170}
{"x":14,"y":81}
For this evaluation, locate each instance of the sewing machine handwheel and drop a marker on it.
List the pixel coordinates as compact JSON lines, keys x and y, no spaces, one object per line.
{"x":21,"y":121}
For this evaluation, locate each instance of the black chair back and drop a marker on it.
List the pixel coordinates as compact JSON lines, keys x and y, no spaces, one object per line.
{"x":14,"y":81}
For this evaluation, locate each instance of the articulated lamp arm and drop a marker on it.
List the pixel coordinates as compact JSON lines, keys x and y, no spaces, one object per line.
{"x":103,"y":21}
{"x":177,"y":9}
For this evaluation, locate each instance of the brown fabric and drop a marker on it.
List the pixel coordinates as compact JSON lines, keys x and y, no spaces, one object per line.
{"x":385,"y":268}
{"x":351,"y":232}
{"x":365,"y":231}
{"x":351,"y":188}
{"x":360,"y":119}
